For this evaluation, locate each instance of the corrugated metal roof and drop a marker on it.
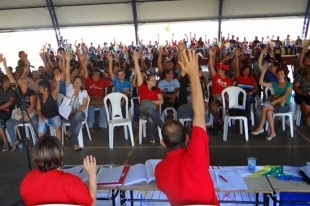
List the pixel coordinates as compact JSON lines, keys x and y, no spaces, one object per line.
{"x":33,"y":14}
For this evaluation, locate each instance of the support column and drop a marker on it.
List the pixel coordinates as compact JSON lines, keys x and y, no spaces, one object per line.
{"x":220,"y":20}
{"x":306,"y":22}
{"x":54,"y":20}
{"x":135,"y":19}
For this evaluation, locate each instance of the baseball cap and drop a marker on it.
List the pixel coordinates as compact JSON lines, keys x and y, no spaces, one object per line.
{"x":219,"y":65}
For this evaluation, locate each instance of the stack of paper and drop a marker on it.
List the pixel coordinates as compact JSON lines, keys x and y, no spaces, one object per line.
{"x":109,"y":175}
{"x":78,"y":171}
{"x":230,"y":180}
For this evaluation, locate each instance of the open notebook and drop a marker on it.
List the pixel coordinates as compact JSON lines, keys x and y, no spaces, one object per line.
{"x":305,"y":172}
{"x":140,"y":173}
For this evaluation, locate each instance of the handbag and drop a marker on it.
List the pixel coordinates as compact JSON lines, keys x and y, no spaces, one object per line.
{"x":96,"y":100}
{"x":17,"y":114}
{"x":238,"y":112}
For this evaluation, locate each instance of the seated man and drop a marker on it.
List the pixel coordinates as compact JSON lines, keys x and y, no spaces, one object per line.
{"x":183,"y":175}
{"x":170,"y":88}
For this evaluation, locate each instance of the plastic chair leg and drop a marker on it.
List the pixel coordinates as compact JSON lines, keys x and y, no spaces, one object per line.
{"x":241,"y":126}
{"x":111,"y":133}
{"x":125,"y":131}
{"x":131,"y":134}
{"x":246,"y":132}
{"x":291,"y":126}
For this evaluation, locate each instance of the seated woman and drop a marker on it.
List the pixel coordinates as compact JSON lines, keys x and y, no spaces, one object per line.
{"x":76,"y":98}
{"x":95,"y":87}
{"x":282,"y":88}
{"x":50,"y":185}
{"x":120,"y":83}
{"x":245,"y":77}
{"x":301,"y":87}
{"x":150,"y":95}
{"x":47,"y":107}
{"x":220,"y":81}
{"x":135,"y":94}
{"x":28,"y":97}
{"x":7,"y":99}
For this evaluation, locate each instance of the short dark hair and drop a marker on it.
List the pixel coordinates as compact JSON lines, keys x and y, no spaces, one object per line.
{"x":174,"y":135}
{"x":166,"y":71}
{"x":45,"y":84}
{"x":3,"y":79}
{"x":48,"y":153}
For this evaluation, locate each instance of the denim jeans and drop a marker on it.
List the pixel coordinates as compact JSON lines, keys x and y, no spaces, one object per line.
{"x":185,"y":111}
{"x":11,"y":123}
{"x":75,"y":120}
{"x":102,"y":116}
{"x":248,"y":103}
{"x":153,"y":119}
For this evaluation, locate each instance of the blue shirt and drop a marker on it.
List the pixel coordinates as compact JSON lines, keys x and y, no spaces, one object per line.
{"x":62,"y":87}
{"x":119,"y":87}
{"x":270,"y":77}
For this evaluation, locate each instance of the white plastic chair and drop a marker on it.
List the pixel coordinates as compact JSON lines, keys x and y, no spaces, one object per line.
{"x":298,"y":114}
{"x":233,"y":93}
{"x":117,"y":118}
{"x":65,"y":124}
{"x":165,"y":113}
{"x":59,"y":99}
{"x":142,"y":128}
{"x":28,"y":128}
{"x":270,"y":90}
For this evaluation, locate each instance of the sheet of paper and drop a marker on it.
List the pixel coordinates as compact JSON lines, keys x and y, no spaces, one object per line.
{"x":306,"y":169}
{"x":136,"y":174}
{"x":78,"y":171}
{"x":290,"y":170}
{"x":150,"y":168}
{"x":64,"y":111}
{"x":109,"y":175}
{"x":234,"y":180}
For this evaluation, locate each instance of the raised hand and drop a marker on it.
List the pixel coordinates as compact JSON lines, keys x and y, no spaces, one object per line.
{"x":67,"y":56}
{"x":110,"y":57}
{"x":237,"y":52}
{"x":90,"y":165}
{"x":211,"y":51}
{"x":41,"y":55}
{"x":191,"y":66}
{"x":135,"y":56}
{"x":180,"y":46}
{"x":59,"y":76}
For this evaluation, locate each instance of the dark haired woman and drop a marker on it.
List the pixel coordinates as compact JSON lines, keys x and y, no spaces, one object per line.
{"x":302,"y":92}
{"x":152,"y":96}
{"x":48,"y":184}
{"x":95,"y":87}
{"x":282,"y":88}
{"x":47,"y":108}
{"x":245,"y":77}
{"x":76,"y":99}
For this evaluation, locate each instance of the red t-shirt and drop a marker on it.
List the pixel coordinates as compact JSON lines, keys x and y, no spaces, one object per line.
{"x":147,"y":94}
{"x":54,"y":186}
{"x":247,"y":81}
{"x":184,"y":174}
{"x":96,"y":88}
{"x":219,"y":84}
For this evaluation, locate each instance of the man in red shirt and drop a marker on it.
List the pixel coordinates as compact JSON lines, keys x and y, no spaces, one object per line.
{"x":183,"y":175}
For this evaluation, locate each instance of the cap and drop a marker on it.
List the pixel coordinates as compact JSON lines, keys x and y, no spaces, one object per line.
{"x":219,"y":65}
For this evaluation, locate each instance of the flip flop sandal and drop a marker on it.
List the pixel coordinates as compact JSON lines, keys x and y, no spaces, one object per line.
{"x":77,"y":148}
{"x":68,"y":135}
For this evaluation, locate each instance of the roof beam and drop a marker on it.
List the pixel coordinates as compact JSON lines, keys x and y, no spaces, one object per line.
{"x":54,"y":20}
{"x":135,"y":18}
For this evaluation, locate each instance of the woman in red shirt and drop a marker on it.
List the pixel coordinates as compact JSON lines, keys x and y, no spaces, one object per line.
{"x":219,"y":82}
{"x":245,"y":77}
{"x":150,"y":98}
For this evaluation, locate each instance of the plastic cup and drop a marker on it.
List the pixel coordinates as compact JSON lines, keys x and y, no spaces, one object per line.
{"x":251,"y":164}
{"x":20,"y":147}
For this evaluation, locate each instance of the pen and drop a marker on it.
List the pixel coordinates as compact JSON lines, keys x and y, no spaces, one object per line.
{"x":223,"y":178}
{"x":81,"y":171}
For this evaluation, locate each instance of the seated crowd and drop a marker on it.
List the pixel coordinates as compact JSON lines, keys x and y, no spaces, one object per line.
{"x":86,"y":74}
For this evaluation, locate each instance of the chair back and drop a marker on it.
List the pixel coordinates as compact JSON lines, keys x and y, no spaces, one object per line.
{"x":59,"y":99}
{"x":233,"y":94}
{"x":268,"y":91}
{"x":116,"y":110}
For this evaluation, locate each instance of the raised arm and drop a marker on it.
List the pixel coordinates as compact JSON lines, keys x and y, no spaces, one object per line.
{"x":180,"y":56}
{"x":158,"y":39}
{"x":111,"y":73}
{"x":211,"y":52}
{"x":67,"y":70}
{"x":91,"y":169}
{"x":302,"y":55}
{"x":237,"y":53}
{"x":191,"y":68}
{"x":7,"y":70}
{"x":159,"y":61}
{"x":172,"y":38}
{"x":47,"y":68}
{"x":135,"y":57}
{"x":58,"y":77}
{"x":261,"y":56}
{"x":261,"y":78}
{"x":127,"y":56}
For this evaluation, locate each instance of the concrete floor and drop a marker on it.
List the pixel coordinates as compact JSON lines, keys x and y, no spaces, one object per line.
{"x":283,"y":150}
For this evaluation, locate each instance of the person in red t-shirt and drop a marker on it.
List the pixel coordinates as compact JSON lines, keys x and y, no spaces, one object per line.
{"x":183,"y":174}
{"x":50,"y":185}
{"x":150,"y":98}
{"x":220,"y":81}
{"x":246,"y":78}
{"x":95,"y":87}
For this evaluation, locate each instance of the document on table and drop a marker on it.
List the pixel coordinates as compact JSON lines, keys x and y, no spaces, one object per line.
{"x":78,"y":171}
{"x":234,"y":180}
{"x":109,"y":175}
